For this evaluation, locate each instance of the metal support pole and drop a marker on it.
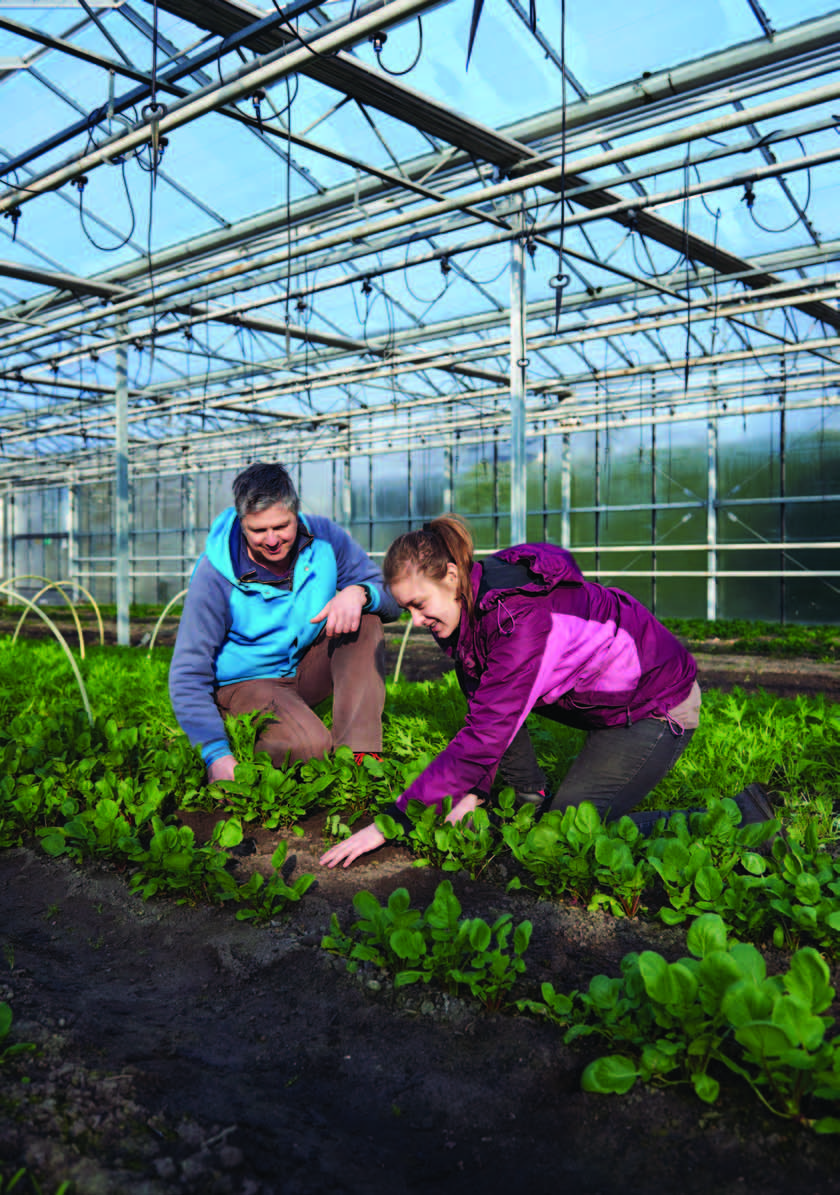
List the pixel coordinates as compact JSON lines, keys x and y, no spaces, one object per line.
{"x":782,"y":510}
{"x":190,"y":493}
{"x":518,"y":366}
{"x":5,"y":537}
{"x":596,"y":498}
{"x":497,"y":543}
{"x":11,"y":528}
{"x":371,"y":498}
{"x":653,"y":528}
{"x":346,"y":494}
{"x":71,"y":528}
{"x":544,"y":488}
{"x":409,"y":474}
{"x":447,"y":478}
{"x":121,"y":529}
{"x":566,"y":491}
{"x":711,"y":516}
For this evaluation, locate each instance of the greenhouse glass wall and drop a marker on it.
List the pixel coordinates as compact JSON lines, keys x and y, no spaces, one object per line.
{"x":714,"y":517}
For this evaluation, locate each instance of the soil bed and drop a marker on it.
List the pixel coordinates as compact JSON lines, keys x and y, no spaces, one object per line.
{"x":183,"y":1051}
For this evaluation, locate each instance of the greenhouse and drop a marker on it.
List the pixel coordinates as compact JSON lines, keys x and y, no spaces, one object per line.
{"x":419,"y":563}
{"x":567,"y":272}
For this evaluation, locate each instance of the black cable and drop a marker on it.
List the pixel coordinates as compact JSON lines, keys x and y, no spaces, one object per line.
{"x":152,"y":181}
{"x":688,"y":264}
{"x":797,"y":218}
{"x":417,"y":56}
{"x":560,"y":280}
{"x":81,"y":183}
{"x":716,"y":214}
{"x":652,"y":272}
{"x":153,"y":111}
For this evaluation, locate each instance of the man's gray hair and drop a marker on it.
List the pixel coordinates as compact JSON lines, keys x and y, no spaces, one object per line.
{"x":262,"y":485}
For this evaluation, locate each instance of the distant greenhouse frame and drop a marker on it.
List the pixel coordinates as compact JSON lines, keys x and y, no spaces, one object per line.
{"x":600,"y":315}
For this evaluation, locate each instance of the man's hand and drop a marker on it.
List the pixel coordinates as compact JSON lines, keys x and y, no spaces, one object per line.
{"x":350,"y":848}
{"x":343,"y":612}
{"x":221,"y":769}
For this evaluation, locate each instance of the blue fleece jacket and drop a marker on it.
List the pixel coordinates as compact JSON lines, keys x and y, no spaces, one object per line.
{"x":241,"y":623}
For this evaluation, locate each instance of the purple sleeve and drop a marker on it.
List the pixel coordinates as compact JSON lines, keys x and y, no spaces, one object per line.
{"x":497,"y":709}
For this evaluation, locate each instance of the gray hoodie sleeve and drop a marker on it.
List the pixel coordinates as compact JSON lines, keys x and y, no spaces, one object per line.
{"x":205,"y":623}
{"x":355,"y":567}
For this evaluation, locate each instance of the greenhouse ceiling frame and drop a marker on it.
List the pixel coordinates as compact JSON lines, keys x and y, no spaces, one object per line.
{"x":463,"y":196}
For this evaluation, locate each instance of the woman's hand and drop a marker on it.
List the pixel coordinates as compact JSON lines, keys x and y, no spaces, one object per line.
{"x":464,"y":808}
{"x":369,"y":839}
{"x":350,"y":848}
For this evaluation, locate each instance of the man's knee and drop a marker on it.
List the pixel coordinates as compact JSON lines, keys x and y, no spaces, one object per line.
{"x":363,"y":649}
{"x":296,"y":745}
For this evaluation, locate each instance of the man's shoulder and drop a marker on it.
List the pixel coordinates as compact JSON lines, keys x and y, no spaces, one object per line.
{"x":207,"y":579}
{"x":322,"y":528}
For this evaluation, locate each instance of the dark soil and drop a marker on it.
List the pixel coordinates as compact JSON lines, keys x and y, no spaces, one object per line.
{"x":183,"y":1051}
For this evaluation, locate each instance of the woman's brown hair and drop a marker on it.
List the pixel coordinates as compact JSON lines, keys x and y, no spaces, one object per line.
{"x":445,"y":540}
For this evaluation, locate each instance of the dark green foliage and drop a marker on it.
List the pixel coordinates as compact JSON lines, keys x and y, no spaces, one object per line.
{"x":758,"y":638}
{"x":13,"y":1048}
{"x":459,"y":954}
{"x":715,"y":1010}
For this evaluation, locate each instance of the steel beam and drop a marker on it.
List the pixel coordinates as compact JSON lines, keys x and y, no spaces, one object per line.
{"x":122,"y":525}
{"x":518,"y":367}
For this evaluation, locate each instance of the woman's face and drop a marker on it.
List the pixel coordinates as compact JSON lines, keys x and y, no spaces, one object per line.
{"x":270,"y":534}
{"x":432,"y":604}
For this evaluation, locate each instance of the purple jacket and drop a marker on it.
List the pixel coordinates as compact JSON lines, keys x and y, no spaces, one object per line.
{"x":545,"y":639}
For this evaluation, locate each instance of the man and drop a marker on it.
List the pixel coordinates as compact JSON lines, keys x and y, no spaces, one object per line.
{"x":282,"y":610}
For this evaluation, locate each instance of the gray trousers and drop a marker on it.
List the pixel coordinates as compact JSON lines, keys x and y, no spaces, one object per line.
{"x":615,"y":769}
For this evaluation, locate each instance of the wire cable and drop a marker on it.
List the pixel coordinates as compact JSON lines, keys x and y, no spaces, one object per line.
{"x":80,"y":184}
{"x":560,"y":280}
{"x":377,"y":49}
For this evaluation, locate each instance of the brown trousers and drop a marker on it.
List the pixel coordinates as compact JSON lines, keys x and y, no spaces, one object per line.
{"x":351,"y":667}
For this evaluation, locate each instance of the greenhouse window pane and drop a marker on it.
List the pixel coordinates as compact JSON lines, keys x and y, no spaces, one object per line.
{"x":390,"y":489}
{"x":749,"y":456}
{"x":812,"y":452}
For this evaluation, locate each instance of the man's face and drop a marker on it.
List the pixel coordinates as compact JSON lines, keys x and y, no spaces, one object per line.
{"x":270,"y":534}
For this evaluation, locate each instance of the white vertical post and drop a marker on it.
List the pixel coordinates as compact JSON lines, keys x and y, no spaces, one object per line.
{"x":711,"y":516}
{"x":5,"y":537}
{"x":123,"y":581}
{"x":566,"y":491}
{"x":346,"y":495}
{"x":71,"y":529}
{"x":190,"y":502}
{"x":518,"y":366}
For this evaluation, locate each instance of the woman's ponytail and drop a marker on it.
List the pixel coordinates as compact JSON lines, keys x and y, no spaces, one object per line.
{"x":442,"y":541}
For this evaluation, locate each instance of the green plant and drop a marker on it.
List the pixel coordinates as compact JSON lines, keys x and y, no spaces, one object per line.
{"x":11,"y":1050}
{"x":468,"y":845}
{"x":717,"y":1008}
{"x":266,"y":899}
{"x":436,"y":945}
{"x":172,"y":864}
{"x":33,"y":1187}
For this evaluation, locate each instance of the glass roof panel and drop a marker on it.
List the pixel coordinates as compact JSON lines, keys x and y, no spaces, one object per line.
{"x":308,"y":284}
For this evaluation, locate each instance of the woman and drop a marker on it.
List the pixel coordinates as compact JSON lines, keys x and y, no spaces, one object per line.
{"x":527,"y":632}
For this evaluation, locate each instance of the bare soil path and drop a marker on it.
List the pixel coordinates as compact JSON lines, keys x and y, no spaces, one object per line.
{"x":183,"y":1051}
